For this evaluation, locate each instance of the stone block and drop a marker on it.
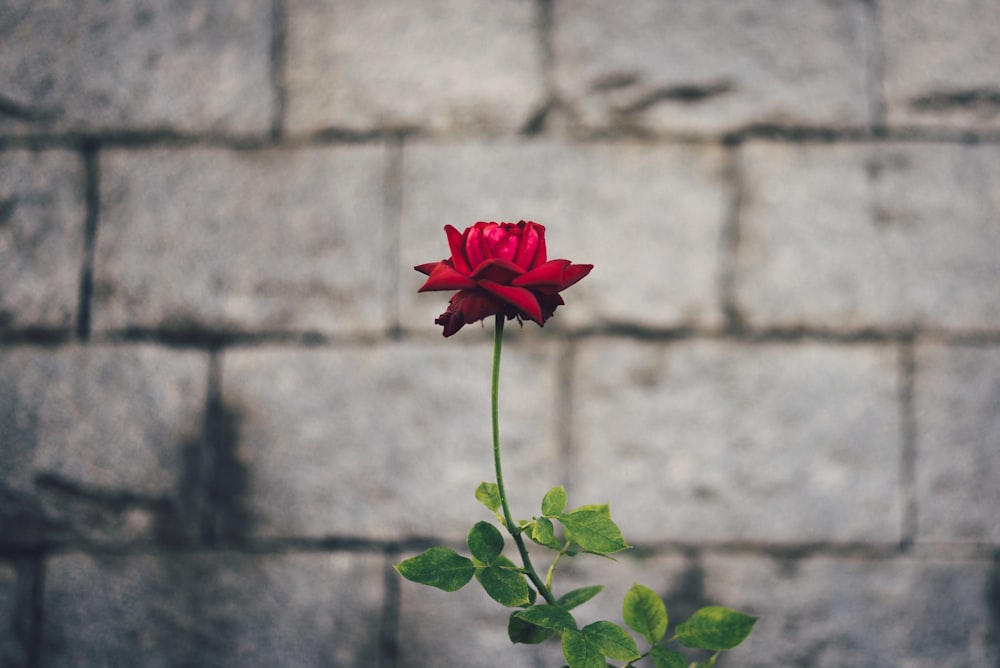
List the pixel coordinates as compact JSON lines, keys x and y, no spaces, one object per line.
{"x":709,"y":67}
{"x":827,"y":611}
{"x":213,"y":609}
{"x":649,"y":218}
{"x":851,"y":237}
{"x":97,"y":440}
{"x":940,"y":64}
{"x":717,"y":441}
{"x":437,"y":65}
{"x":217,"y":239}
{"x":42,"y":220}
{"x":132,"y":66}
{"x":387,"y":441}
{"x":956,"y":396}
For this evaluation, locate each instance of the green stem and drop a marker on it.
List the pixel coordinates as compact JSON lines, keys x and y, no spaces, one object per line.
{"x":555,"y":562}
{"x":508,"y":518}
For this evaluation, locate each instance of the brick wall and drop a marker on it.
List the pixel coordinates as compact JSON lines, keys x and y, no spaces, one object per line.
{"x":224,"y":411}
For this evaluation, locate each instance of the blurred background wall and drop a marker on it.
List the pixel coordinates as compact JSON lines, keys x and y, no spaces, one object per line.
{"x":225,"y":412}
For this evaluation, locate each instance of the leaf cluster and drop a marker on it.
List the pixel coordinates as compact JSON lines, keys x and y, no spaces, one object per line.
{"x":586,"y":529}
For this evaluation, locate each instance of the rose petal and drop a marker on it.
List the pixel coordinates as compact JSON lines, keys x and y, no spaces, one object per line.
{"x":456,"y":243}
{"x":520,"y":298}
{"x":527,"y":245}
{"x":477,"y":250}
{"x":502,"y":241}
{"x":548,"y":274}
{"x":574,"y":273}
{"x":549,"y":304}
{"x":444,"y":277}
{"x":427,"y":267}
{"x":540,"y":254}
{"x":500,"y":271}
{"x":468,"y":306}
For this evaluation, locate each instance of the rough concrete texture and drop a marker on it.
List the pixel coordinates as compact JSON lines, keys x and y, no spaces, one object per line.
{"x":917,"y":612}
{"x":437,"y":65}
{"x":42,"y":222}
{"x":218,"y":239}
{"x":225,"y":412}
{"x":215,"y":609}
{"x":118,"y":464}
{"x":886,"y":236}
{"x":939,"y":62}
{"x":702,"y":427}
{"x":365,"y":441}
{"x":712,"y":66}
{"x":127,"y":66}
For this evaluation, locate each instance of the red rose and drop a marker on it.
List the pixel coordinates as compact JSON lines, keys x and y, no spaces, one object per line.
{"x":499,"y":269}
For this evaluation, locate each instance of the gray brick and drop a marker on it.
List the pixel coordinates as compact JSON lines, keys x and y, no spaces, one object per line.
{"x":957,"y":395}
{"x":851,"y":237}
{"x":275,"y":240}
{"x":42,"y":215}
{"x":718,"y":441}
{"x":712,"y":66}
{"x":940,"y":63}
{"x":95,"y":439}
{"x":12,"y":621}
{"x":825,"y":612}
{"x":128,"y":65}
{"x":387,"y":441}
{"x":648,"y":217}
{"x":438,"y":65}
{"x":213,"y":609}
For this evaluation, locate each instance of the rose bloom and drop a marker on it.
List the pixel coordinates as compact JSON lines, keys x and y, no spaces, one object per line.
{"x":499,"y":269}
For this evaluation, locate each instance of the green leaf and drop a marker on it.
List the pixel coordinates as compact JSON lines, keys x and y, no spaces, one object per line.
{"x":485,"y":542}
{"x":709,"y":662}
{"x":667,"y":658}
{"x":438,"y":567}
{"x":580,"y":651}
{"x":578,"y":597}
{"x":488,"y":494}
{"x":645,"y":613}
{"x":613,"y":641}
{"x":521,"y":631}
{"x":715,"y":627}
{"x":601,"y":508}
{"x":548,"y":617}
{"x":554,"y":501}
{"x":543,"y":533}
{"x":593,"y":530}
{"x":504,"y":583}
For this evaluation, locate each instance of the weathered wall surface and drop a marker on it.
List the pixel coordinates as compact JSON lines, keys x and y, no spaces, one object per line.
{"x":225,"y":412}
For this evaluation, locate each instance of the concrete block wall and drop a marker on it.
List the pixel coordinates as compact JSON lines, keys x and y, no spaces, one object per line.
{"x":225,"y":412}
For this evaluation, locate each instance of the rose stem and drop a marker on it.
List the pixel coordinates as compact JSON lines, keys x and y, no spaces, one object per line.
{"x":508,"y":518}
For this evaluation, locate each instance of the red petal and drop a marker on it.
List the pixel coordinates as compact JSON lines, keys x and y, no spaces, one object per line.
{"x":540,"y":254}
{"x":520,"y":298}
{"x":527,"y":246}
{"x":457,"y":245}
{"x":549,"y":304}
{"x":548,"y":274}
{"x":467,"y":306}
{"x":427,"y":267}
{"x":500,"y":271}
{"x":477,"y":250}
{"x":445,"y":277}
{"x":574,"y":273}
